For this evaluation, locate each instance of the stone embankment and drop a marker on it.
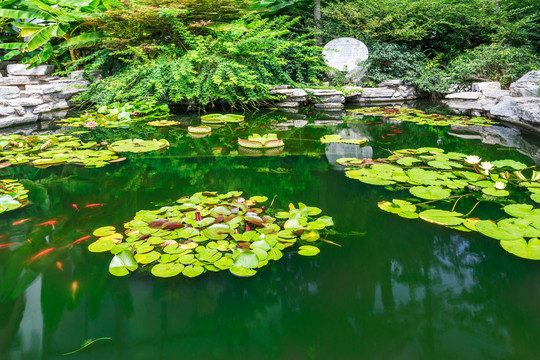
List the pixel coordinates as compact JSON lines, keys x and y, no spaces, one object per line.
{"x":387,"y":91}
{"x":519,"y":105}
{"x":29,"y":95}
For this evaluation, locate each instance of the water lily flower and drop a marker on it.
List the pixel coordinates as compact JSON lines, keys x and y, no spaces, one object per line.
{"x":486,"y":166}
{"x":473,"y":159}
{"x":134,"y":113}
{"x":87,"y":115}
{"x":90,"y":124}
{"x":499,"y":185}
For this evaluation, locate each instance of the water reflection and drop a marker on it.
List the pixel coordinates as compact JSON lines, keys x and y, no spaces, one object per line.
{"x":405,"y":289}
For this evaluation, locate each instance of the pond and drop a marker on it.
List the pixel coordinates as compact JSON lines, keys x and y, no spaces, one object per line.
{"x":394,"y":288}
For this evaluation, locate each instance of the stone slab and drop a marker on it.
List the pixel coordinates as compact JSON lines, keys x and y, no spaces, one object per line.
{"x":344,"y":54}
{"x":17,"y":120}
{"x":486,"y":86}
{"x":470,"y":95}
{"x":378,"y":93}
{"x":329,"y":105}
{"x":23,"y":102}
{"x":58,"y":105}
{"x":22,"y":69}
{"x":7,"y":91}
{"x":288,"y":104}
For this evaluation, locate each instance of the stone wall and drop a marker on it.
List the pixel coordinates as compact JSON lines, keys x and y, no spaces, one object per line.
{"x":29,"y":95}
{"x":519,"y":105}
{"x":387,"y":91}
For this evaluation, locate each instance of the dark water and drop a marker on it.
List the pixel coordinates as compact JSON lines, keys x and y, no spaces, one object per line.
{"x":396,"y":289}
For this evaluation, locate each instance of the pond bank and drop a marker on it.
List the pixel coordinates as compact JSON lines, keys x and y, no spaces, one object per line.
{"x":520,"y":105}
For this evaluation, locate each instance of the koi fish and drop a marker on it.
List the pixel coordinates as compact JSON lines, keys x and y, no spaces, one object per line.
{"x":383,"y":137}
{"x":20,"y":222}
{"x":74,"y":286}
{"x":50,"y":222}
{"x":59,"y":266}
{"x":44,"y":252}
{"x":75,"y":207}
{"x":93,"y":205}
{"x":81,"y":239}
{"x":6,"y":245}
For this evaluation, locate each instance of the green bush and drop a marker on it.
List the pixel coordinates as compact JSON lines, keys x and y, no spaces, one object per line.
{"x":237,"y":65}
{"x":501,"y":63}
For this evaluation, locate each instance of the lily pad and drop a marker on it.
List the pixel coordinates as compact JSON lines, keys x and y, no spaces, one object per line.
{"x":139,"y":146}
{"x":400,"y":207}
{"x":430,"y":192}
{"x":308,"y":250}
{"x":489,"y":228}
{"x":442,"y":217}
{"x":167,"y":270}
{"x":527,"y":250}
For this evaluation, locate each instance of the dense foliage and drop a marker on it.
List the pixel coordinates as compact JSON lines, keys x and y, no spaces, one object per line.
{"x":235,"y":65}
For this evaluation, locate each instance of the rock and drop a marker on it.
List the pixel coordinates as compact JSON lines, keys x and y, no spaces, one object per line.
{"x":280,"y":87}
{"x":7,"y":110}
{"x":351,"y":91}
{"x":378,"y":93}
{"x":464,"y":96}
{"x":496,"y":94}
{"x":406,"y":92}
{"x":291,"y":95}
{"x":53,"y":115}
{"x":17,"y":120}
{"x":527,"y":85}
{"x":518,"y":109}
{"x":391,"y":83}
{"x":486,"y":86}
{"x":66,"y":94}
{"x":23,"y":102}
{"x":288,"y":104}
{"x":78,"y":74}
{"x":62,"y":104}
{"x":16,"y":80}
{"x":9,"y":92}
{"x":330,"y":105}
{"x":21,"y":69}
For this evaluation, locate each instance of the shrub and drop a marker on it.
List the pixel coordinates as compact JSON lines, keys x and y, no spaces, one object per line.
{"x":501,"y":63}
{"x":236,"y":66}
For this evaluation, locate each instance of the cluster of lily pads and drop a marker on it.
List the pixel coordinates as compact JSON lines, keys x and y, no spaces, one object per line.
{"x":138,"y":145}
{"x":221,"y":119}
{"x":209,"y":231}
{"x":338,"y":139}
{"x":257,"y":141}
{"x":50,"y":150}
{"x":444,"y":178}
{"x":421,"y":118}
{"x":13,"y":195}
{"x":119,"y":115}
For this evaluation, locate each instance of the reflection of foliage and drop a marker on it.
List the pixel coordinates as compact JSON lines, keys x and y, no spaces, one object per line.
{"x":12,"y":195}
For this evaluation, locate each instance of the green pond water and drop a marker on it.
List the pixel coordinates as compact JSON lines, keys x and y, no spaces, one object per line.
{"x":395,"y":289}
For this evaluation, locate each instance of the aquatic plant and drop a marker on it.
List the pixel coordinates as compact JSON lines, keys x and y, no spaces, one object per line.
{"x":209,"y":231}
{"x":163,"y":123}
{"x":138,"y":145}
{"x":201,"y":129}
{"x":257,"y":141}
{"x":221,"y":119}
{"x":421,"y":118}
{"x":13,"y":195}
{"x":50,"y":150}
{"x":338,"y":139}
{"x":119,"y":115}
{"x":445,"y":178}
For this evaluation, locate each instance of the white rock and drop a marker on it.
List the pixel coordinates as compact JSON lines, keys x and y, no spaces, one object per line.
{"x":21,"y":69}
{"x":6,"y":91}
{"x":24,"y":102}
{"x":329,"y":105}
{"x":486,"y":86}
{"x":62,"y":104}
{"x":377,"y":93}
{"x":527,"y":85}
{"x":17,"y":120}
{"x":472,"y":95}
{"x":391,"y":83}
{"x":7,"y":110}
{"x":53,"y":115}
{"x":288,"y":104}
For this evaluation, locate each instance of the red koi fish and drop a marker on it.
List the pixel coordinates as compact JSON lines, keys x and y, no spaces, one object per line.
{"x":93,"y":205}
{"x":50,"y":222}
{"x":44,"y":252}
{"x":81,"y":239}
{"x":20,"y":222}
{"x":6,"y":245}
{"x":75,"y":207}
{"x":59,"y":266}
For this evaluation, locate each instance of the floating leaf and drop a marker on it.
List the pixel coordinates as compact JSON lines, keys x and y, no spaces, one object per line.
{"x":489,"y":228}
{"x":527,"y":250}
{"x":430,"y":192}
{"x":401,"y":207}
{"x":308,"y":250}
{"x":167,"y":270}
{"x":442,"y":217}
{"x":139,"y":146}
{"x":241,"y":271}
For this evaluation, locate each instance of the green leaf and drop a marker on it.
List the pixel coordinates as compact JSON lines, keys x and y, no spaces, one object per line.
{"x":521,"y":248}
{"x":167,"y":270}
{"x":442,"y":217}
{"x":430,"y":192}
{"x":308,"y":250}
{"x":247,"y":259}
{"x":489,"y":228}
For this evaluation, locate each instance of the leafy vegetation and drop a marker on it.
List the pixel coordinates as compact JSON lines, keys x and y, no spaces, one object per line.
{"x":421,"y":118}
{"x":209,"y":231}
{"x":12,"y":195}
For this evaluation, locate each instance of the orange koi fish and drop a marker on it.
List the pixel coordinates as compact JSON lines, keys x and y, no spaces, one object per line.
{"x":75,"y":207}
{"x":20,"y":221}
{"x":74,"y":286}
{"x":81,"y":239}
{"x":59,"y":266}
{"x":6,"y":245}
{"x":44,"y":252}
{"x":93,"y":205}
{"x":50,"y":222}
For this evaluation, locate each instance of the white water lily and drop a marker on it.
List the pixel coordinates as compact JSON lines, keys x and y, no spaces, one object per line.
{"x":486,"y":166}
{"x":473,"y":159}
{"x":499,"y":185}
